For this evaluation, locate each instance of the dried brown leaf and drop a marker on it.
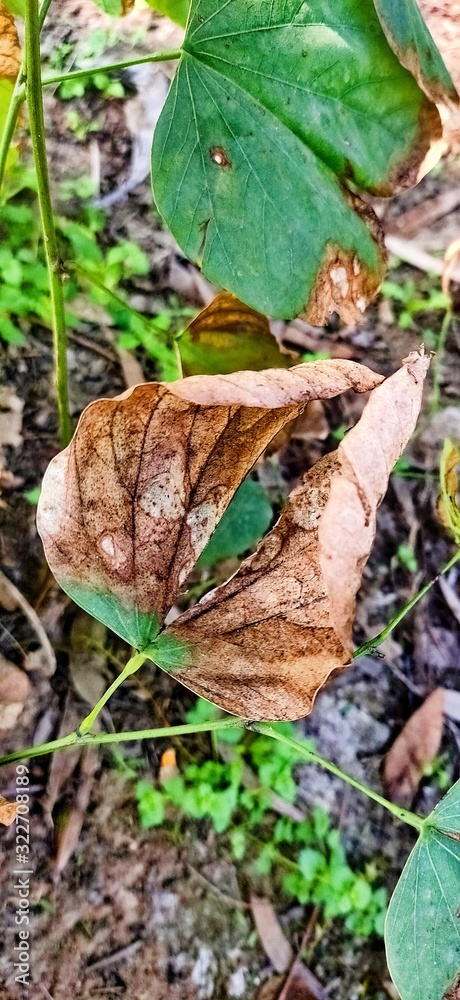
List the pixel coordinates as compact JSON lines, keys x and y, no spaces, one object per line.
{"x":7,"y":811}
{"x":451,"y":266}
{"x":10,"y":50}
{"x":128,"y":507}
{"x":265,"y":642}
{"x":272,"y":936}
{"x":15,"y":688}
{"x":414,"y":748}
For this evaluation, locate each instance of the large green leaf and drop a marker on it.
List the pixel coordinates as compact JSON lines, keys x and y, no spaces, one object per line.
{"x":423,"y":924}
{"x":410,"y":39}
{"x":176,"y":10}
{"x":275,"y":107}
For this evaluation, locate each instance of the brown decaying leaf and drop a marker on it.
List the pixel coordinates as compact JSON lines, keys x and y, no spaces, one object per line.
{"x":451,"y":264}
{"x":414,"y":748}
{"x":272,"y":936}
{"x":10,"y":50}
{"x":15,"y":688}
{"x":7,"y":811}
{"x":265,"y":642}
{"x":129,"y":506}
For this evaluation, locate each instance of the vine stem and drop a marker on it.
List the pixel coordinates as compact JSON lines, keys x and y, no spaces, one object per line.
{"x":78,"y":74}
{"x":402,"y":814}
{"x":132,"y":665}
{"x":98,"y":739}
{"x":37,"y":135}
{"x":371,"y":645}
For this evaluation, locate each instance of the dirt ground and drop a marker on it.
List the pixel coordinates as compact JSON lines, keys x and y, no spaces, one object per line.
{"x":163,"y":914}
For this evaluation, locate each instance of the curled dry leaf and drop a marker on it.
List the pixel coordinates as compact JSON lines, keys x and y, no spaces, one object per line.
{"x":7,"y":811}
{"x":15,"y":688}
{"x":126,"y":510}
{"x":415,"y":748}
{"x":263,"y":643}
{"x":448,"y":509}
{"x":274,"y":941}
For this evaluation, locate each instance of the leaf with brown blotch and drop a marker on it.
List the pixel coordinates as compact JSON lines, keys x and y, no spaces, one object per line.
{"x":414,"y":748}
{"x":10,"y":50}
{"x":228,"y":336}
{"x":265,"y":642}
{"x":127,"y":508}
{"x":7,"y":811}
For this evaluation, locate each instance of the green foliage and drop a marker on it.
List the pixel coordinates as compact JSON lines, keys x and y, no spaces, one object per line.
{"x":176,"y":10}
{"x":305,"y":860}
{"x":256,"y":130}
{"x":422,"y":930}
{"x":412,"y":303}
{"x":407,"y":558}
{"x":246,"y":519}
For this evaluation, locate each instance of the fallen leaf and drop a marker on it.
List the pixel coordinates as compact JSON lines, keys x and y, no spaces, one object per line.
{"x":451,"y":266}
{"x":10,"y":50}
{"x":11,"y":408}
{"x":228,"y":336}
{"x":301,"y":984}
{"x":168,"y":766}
{"x":265,"y":642}
{"x":70,"y":822}
{"x":7,"y":811}
{"x":452,"y":704}
{"x":448,"y":509}
{"x":15,"y":688}
{"x":87,"y":666}
{"x":274,"y":941}
{"x":170,"y":458}
{"x":414,"y":748}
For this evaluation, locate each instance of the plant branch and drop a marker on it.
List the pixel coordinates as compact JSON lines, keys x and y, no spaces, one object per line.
{"x":98,"y":739}
{"x":79,"y":74}
{"x":403,"y":814}
{"x":132,"y":665}
{"x":37,"y":135}
{"x":371,"y":645}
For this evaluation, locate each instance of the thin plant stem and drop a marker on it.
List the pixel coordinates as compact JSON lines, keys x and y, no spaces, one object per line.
{"x":132,"y":665}
{"x":6,"y":138}
{"x":403,"y":814}
{"x":149,"y":324}
{"x":100,"y":739}
{"x":16,"y":102}
{"x":440,"y":348}
{"x":371,"y":645}
{"x":37,"y":135}
{"x":79,"y":74}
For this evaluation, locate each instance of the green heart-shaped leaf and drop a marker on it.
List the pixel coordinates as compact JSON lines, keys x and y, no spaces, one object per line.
{"x":275,"y":107}
{"x":423,"y":926}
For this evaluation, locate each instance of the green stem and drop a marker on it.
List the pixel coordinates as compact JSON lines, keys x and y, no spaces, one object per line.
{"x":79,"y":74}
{"x":37,"y":135}
{"x":371,"y":645}
{"x":98,"y":739}
{"x":440,"y":348}
{"x":17,"y":100}
{"x":10,"y":123}
{"x":94,"y":280}
{"x":132,"y":665}
{"x":403,"y":814}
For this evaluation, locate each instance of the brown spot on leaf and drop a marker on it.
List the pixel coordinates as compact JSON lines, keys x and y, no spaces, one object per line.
{"x":453,"y":992}
{"x":425,"y":153}
{"x":344,"y":284}
{"x":219,"y":156}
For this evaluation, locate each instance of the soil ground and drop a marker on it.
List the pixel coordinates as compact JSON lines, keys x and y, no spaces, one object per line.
{"x":163,"y":914}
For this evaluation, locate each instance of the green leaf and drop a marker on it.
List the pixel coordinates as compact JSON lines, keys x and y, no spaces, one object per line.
{"x":275,"y":106}
{"x":410,"y":39}
{"x":16,"y":7}
{"x":422,"y":930}
{"x":150,"y":805}
{"x":114,"y":8}
{"x":246,"y":519}
{"x":228,"y":337}
{"x":176,"y":10}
